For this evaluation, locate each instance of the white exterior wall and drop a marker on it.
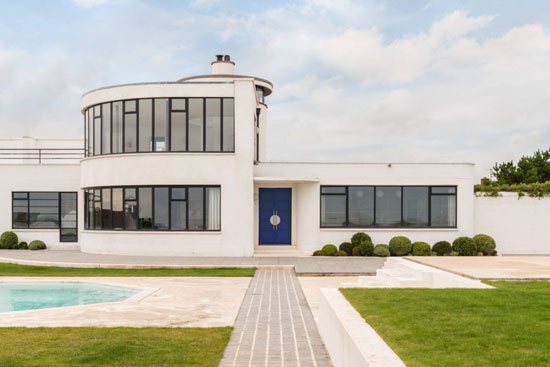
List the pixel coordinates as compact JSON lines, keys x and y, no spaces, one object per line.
{"x":306,"y":215}
{"x":35,"y":177}
{"x":519,"y":226}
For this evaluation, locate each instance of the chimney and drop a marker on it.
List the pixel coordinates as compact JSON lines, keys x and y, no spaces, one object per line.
{"x":223,"y":65}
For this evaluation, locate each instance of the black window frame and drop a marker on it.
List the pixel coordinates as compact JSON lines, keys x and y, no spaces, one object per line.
{"x":401,"y":226}
{"x":59,"y":217}
{"x":89,"y":127}
{"x":170,"y":200}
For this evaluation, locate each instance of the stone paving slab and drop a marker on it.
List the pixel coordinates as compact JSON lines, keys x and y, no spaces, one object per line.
{"x":275,"y":326}
{"x":309,"y":265}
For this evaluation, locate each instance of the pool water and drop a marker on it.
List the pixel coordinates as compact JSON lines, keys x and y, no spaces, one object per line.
{"x":19,"y":296}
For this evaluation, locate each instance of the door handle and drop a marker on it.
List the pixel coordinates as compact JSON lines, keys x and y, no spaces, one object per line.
{"x":277,"y":216}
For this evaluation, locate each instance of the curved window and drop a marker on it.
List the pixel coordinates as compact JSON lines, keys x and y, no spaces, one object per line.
{"x":160,"y":125}
{"x":153,"y":208}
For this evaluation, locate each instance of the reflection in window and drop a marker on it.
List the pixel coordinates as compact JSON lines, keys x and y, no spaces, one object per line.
{"x":117,"y":203}
{"x":212,"y":208}
{"x":196,"y":208}
{"x":161,"y":124}
{"x":117,"y":127}
{"x":361,"y":206}
{"x":213,"y":124}
{"x":131,"y":216}
{"x":161,"y":208}
{"x":107,"y":215}
{"x":196,"y":117}
{"x":145,"y":207}
{"x":415,"y":206}
{"x":106,"y":128}
{"x":443,"y":209}
{"x":145,"y":125}
{"x":333,"y":210}
{"x":130,"y":131}
{"x":228,"y":125}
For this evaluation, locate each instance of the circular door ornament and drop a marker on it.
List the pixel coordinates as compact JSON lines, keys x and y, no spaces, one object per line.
{"x":275,"y":220}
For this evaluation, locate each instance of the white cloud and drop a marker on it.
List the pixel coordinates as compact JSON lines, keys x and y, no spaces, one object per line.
{"x":89,"y":3}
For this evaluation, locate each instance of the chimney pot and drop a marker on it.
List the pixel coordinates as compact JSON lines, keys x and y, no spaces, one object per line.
{"x":219,"y":57}
{"x":227,"y":58}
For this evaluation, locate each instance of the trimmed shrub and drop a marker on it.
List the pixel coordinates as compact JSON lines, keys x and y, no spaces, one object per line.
{"x":442,"y":248}
{"x":400,"y":246}
{"x":318,"y":253}
{"x":360,"y":237}
{"x":465,"y":246}
{"x":23,"y":245}
{"x":347,"y":247}
{"x":330,"y":249}
{"x":341,"y":253}
{"x":454,"y":253}
{"x":366,"y":248}
{"x":355,"y":251}
{"x":485,"y":244}
{"x":8,"y":240}
{"x":421,"y":249}
{"x":384,"y":245}
{"x":381,"y":251}
{"x":37,"y":245}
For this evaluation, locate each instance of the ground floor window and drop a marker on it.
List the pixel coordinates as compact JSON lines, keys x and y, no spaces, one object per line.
{"x":388,"y":206}
{"x":46,"y":210}
{"x":153,"y":208}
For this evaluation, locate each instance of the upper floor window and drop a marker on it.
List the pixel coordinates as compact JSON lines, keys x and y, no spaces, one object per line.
{"x":388,"y":206}
{"x":260,"y":94}
{"x":160,"y":125}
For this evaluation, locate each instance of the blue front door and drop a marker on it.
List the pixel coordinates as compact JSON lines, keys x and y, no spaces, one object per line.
{"x":275,"y":209}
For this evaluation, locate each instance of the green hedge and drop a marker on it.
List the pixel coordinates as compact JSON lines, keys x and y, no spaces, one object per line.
{"x":536,"y":189}
{"x":465,"y":246}
{"x":400,"y":246}
{"x":442,"y":248}
{"x":485,"y":244}
{"x":9,"y":240}
{"x":381,"y":251}
{"x":37,"y":245}
{"x":359,"y":238}
{"x":329,"y":249}
{"x":347,"y":247}
{"x":421,"y":249}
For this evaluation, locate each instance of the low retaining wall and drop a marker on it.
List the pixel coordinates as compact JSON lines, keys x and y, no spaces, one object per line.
{"x":349,"y":340}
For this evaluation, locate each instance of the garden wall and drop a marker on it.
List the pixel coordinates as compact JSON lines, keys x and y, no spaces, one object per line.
{"x":519,"y":226}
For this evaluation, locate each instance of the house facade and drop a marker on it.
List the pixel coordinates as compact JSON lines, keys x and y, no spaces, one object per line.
{"x":179,"y":168}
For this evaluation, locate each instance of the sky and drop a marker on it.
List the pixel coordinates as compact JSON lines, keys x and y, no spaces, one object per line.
{"x":372,"y":81}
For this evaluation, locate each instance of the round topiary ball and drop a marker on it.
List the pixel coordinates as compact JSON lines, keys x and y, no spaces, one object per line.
{"x":318,"y":253}
{"x":400,"y":246}
{"x":347,"y":247}
{"x":366,"y":248}
{"x":465,"y":246}
{"x":23,"y":245}
{"x":442,"y":248}
{"x":485,"y":244}
{"x":355,"y":251}
{"x":341,"y":253}
{"x":8,"y":240}
{"x":330,"y":249}
{"x":359,"y":237}
{"x":381,"y":251}
{"x":37,"y":245}
{"x":421,"y":249}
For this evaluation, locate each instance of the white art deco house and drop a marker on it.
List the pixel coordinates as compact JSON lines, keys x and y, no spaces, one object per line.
{"x":178,"y":168}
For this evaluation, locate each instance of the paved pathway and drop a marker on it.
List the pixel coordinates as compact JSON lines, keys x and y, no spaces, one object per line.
{"x":308,"y":265}
{"x":275,"y":326}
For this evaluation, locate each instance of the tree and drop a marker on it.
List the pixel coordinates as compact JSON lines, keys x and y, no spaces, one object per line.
{"x":530,"y":169}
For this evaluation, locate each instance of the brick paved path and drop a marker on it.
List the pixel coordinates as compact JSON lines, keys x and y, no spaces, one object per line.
{"x":275,"y":326}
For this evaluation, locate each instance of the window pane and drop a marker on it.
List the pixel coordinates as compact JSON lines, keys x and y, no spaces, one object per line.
{"x":333,"y":210}
{"x":178,"y":193}
{"x":97,"y":111}
{"x":43,"y":210}
{"x":228,"y":125}
{"x":213,"y":210}
{"x":443,"y":209}
{"x":178,"y":122}
{"x":106,"y":215}
{"x":178,"y":215}
{"x":90,"y":120}
{"x":161,"y":208}
{"x":196,"y":115}
{"x":178,"y":104}
{"x":161,"y":124}
{"x":129,"y":193}
{"x":415,"y":206}
{"x":131,"y":215}
{"x":20,"y":214}
{"x":20,"y":195}
{"x":106,"y":129}
{"x":97,"y":208}
{"x":145,"y":125}
{"x":333,"y":190}
{"x":443,"y":190}
{"x":118,"y":218}
{"x":68,"y":235}
{"x":117,"y":127}
{"x":130,"y":139}
{"x":90,"y":206}
{"x":145,"y":207}
{"x":68,"y":210}
{"x":388,"y":206}
{"x":360,"y":206}
{"x":130,"y":106}
{"x":44,"y":195}
{"x":97,"y":135}
{"x":196,"y":210}
{"x":213,"y":124}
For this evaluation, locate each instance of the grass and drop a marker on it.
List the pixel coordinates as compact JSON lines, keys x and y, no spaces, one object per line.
{"x":51,"y":271}
{"x":506,"y":327}
{"x":191,"y":347}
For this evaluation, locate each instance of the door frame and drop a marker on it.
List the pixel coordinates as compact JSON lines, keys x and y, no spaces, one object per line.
{"x":290,"y":218}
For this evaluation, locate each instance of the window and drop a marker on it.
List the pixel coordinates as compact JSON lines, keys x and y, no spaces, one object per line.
{"x":388,"y":206}
{"x":156,"y":208}
{"x":47,"y":210}
{"x":160,"y":125}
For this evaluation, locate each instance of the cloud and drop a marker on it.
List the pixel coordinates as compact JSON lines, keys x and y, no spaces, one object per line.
{"x":89,"y":3}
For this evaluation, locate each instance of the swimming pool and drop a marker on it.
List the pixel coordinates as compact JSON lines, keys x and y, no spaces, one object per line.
{"x":20,"y":296}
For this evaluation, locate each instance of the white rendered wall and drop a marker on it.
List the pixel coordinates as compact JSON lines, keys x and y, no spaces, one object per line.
{"x":34,"y":177}
{"x":519,"y":226}
{"x":309,"y":235}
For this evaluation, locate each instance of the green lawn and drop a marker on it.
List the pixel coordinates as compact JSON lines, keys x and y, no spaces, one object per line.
{"x":50,"y":271}
{"x":149,"y":347}
{"x":504,"y":327}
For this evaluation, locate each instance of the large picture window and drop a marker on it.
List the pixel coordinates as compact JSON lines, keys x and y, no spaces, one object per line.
{"x":160,"y":125}
{"x":154,"y":208}
{"x":46,"y":210}
{"x":388,"y":206}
